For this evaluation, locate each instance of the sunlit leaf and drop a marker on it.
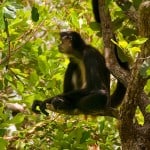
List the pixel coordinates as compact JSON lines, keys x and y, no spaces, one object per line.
{"x":2,"y":26}
{"x":20,"y":87}
{"x":138,"y":41}
{"x":8,"y":77}
{"x":135,"y":49}
{"x":17,"y":119}
{"x":43,"y":64}
{"x":29,"y":99}
{"x":1,"y":44}
{"x":147,"y":87}
{"x":139,"y":117}
{"x":34,"y":79}
{"x":58,"y":76}
{"x":10,"y":12}
{"x":74,"y":17}
{"x":18,"y":72}
{"x":3,"y":144}
{"x":148,"y":72}
{"x":123,"y":44}
{"x":148,"y":109}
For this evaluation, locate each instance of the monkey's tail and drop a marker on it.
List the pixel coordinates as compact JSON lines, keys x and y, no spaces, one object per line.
{"x":96,"y":10}
{"x":118,"y":95}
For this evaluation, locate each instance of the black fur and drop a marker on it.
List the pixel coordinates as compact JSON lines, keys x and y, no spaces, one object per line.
{"x":96,"y":10}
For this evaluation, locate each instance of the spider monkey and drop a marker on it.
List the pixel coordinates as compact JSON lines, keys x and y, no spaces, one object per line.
{"x":86,"y":81}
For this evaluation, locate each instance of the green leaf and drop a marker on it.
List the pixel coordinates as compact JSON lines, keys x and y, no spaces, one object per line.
{"x":128,"y":31}
{"x":148,"y":109}
{"x":1,"y":44}
{"x":2,"y":132}
{"x":57,"y":76}
{"x":147,"y":87}
{"x":9,"y":12}
{"x":34,"y":78}
{"x":15,"y":70}
{"x":17,"y":119}
{"x":94,"y":26}
{"x":29,"y":99}
{"x":34,"y":14}
{"x":18,"y":72}
{"x":136,"y":3}
{"x":134,"y":50}
{"x":20,"y":86}
{"x":3,"y":144}
{"x":102,"y":126}
{"x":43,"y":64}
{"x":8,"y":77}
{"x":138,"y":41}
{"x":145,"y":69}
{"x":123,"y":44}
{"x":148,"y":71}
{"x":85,"y":136}
{"x":1,"y":84}
{"x":74,"y":18}
{"x":2,"y":25}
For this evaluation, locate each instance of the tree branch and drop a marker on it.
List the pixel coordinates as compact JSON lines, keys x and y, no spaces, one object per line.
{"x":108,"y":111}
{"x":109,"y":52}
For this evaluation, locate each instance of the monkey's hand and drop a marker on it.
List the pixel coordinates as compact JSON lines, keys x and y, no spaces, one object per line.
{"x":58,"y":103}
{"x":42,"y":107}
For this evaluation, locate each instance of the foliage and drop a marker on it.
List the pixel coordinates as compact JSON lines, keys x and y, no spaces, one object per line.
{"x":32,"y":68}
{"x":70,"y":133}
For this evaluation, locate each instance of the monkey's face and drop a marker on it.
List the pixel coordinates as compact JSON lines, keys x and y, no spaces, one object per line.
{"x":66,"y":43}
{"x":71,"y":44}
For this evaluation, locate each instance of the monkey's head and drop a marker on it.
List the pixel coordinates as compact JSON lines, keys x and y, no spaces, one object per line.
{"x":71,"y":43}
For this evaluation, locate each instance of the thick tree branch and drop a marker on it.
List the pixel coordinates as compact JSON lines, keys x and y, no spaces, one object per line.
{"x":106,"y":112}
{"x":107,"y":34}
